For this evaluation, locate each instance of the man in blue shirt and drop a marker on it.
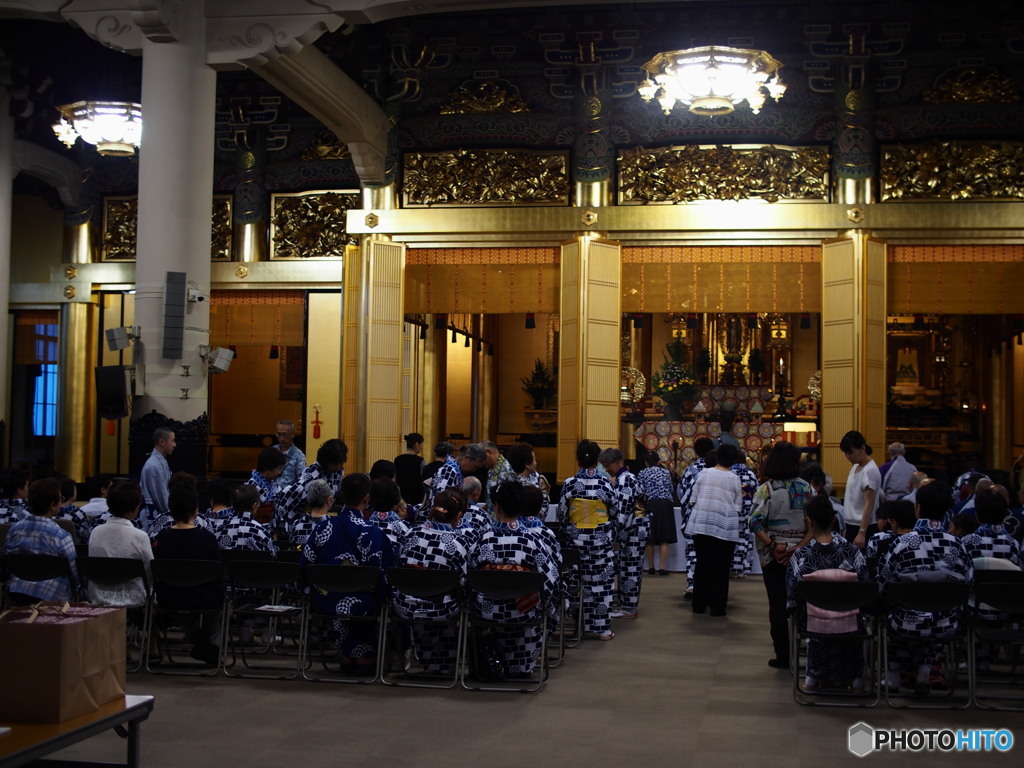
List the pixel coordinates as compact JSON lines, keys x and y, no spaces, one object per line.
{"x":156,"y":473}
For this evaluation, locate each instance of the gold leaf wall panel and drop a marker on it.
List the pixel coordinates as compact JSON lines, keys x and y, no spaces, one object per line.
{"x":499,"y":288}
{"x":960,"y":288}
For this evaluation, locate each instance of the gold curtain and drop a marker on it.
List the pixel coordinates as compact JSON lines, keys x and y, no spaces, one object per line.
{"x":260,"y":318}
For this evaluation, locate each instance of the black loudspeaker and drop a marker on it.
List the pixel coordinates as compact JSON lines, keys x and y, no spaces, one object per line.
{"x":111,"y":392}
{"x":174,"y":315}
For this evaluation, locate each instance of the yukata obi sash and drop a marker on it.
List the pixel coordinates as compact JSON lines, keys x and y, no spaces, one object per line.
{"x":588,"y":513}
{"x":826,"y":622}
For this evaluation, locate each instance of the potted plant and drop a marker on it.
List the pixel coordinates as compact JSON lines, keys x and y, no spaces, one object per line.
{"x":540,"y":384}
{"x":674,"y":382}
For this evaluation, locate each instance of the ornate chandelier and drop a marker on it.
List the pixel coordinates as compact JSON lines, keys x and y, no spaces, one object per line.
{"x":712,"y":80}
{"x":115,"y":127}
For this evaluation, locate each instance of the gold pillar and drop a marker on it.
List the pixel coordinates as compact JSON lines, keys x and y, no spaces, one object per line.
{"x":589,"y":370}
{"x":853,"y":271}
{"x":428,"y":387}
{"x":75,"y":446}
{"x":249,"y":240}
{"x":374,"y":286}
{"x":486,"y":425}
{"x":998,"y":410}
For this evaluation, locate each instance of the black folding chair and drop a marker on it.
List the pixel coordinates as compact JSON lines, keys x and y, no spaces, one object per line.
{"x":837,"y":596}
{"x":570,"y":605}
{"x":1000,"y":685}
{"x":339,"y":580}
{"x":29,"y":567}
{"x":193,"y":582}
{"x":928,"y":597}
{"x":256,"y":597}
{"x":502,"y":586}
{"x":430,"y":586}
{"x":249,"y":555}
{"x":114,"y":572}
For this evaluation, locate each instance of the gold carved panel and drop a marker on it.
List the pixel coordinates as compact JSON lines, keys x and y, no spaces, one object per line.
{"x":973,"y":86}
{"x":307,"y":225}
{"x":953,"y":170}
{"x":120,"y":228}
{"x":483,"y":96}
{"x":485,"y":177}
{"x":684,"y":174}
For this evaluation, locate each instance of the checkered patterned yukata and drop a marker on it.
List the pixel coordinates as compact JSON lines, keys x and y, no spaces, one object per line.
{"x":394,"y":527}
{"x":741,"y":555}
{"x":510,"y":544}
{"x":242,"y":532}
{"x":928,"y":552}
{"x":434,"y":546}
{"x":685,"y":493}
{"x":291,"y":501}
{"x":78,"y":518}
{"x":13,"y":510}
{"x":448,"y":475}
{"x":597,"y":559}
{"x":633,"y":532}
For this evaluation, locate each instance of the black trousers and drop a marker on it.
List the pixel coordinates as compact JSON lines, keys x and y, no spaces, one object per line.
{"x":775,"y":586}
{"x":714,"y":558}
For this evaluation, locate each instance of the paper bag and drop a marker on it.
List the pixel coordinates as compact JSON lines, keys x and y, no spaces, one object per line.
{"x":59,"y":661}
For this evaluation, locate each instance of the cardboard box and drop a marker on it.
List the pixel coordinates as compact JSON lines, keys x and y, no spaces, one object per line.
{"x":59,"y":661}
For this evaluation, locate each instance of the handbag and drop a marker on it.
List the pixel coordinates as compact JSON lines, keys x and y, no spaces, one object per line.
{"x":488,"y":661}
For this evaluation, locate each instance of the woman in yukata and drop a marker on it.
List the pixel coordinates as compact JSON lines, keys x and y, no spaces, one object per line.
{"x":387,"y":510}
{"x":588,"y":509}
{"x":437,"y":544}
{"x":349,"y":540}
{"x":830,"y":662}
{"x":511,"y":546}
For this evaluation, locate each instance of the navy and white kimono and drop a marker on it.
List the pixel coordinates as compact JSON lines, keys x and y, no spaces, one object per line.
{"x":448,"y":475}
{"x":877,"y":546}
{"x":510,"y":546}
{"x":160,"y":523}
{"x":242,"y":532}
{"x":634,"y":529}
{"x":992,"y":541}
{"x":290,"y":502}
{"x":838,"y":661}
{"x":927,"y":553}
{"x":741,"y":554}
{"x":348,"y":538}
{"x":268,"y":490}
{"x":594,"y":542}
{"x":298,"y":530}
{"x":394,"y":527}
{"x":534,"y":479}
{"x":78,"y":518}
{"x":476,"y":519}
{"x":13,"y":510}
{"x":686,"y":499}
{"x":434,"y":546}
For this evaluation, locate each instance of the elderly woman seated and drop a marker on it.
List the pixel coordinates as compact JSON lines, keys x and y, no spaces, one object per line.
{"x":510,"y":545}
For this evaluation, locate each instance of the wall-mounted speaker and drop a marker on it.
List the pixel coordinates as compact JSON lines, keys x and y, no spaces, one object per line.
{"x":111,"y":392}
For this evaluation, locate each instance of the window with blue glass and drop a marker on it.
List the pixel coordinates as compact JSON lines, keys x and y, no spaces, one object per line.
{"x":44,"y":398}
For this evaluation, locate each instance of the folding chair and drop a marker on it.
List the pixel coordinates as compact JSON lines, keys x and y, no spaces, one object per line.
{"x":112,"y":572}
{"x":838,"y":596}
{"x":249,"y":555}
{"x":430,"y":586}
{"x":1001,"y":685}
{"x":256,"y":593}
{"x":289,"y":555}
{"x":200,"y":577}
{"x":572,"y":589}
{"x":340,"y":580}
{"x":503,"y":586}
{"x":29,"y":567}
{"x":928,"y":597}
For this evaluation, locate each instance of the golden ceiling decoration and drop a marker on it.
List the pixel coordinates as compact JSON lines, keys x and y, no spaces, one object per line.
{"x":486,"y":177}
{"x":220,"y":236}
{"x":483,"y":96}
{"x":973,"y":86}
{"x":326,"y":146}
{"x":311,"y":225}
{"x":684,"y":174}
{"x":120,"y":217}
{"x":953,"y":170}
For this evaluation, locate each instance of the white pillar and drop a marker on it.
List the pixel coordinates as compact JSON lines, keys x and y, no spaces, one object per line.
{"x":6,"y":194}
{"x":175,"y":194}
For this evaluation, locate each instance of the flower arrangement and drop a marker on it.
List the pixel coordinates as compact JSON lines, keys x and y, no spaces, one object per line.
{"x":674,"y":382}
{"x":540,"y":384}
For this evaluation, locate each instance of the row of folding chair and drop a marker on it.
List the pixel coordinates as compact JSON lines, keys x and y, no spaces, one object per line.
{"x":270,"y":627}
{"x":992,"y":680}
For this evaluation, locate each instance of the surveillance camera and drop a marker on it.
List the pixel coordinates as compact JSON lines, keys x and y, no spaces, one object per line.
{"x":195,"y":296}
